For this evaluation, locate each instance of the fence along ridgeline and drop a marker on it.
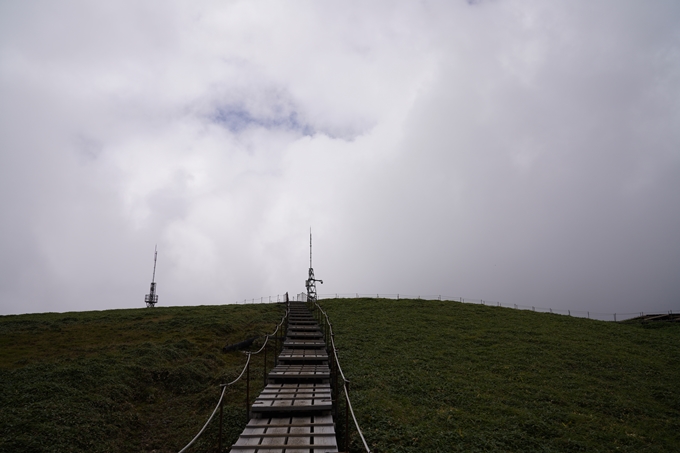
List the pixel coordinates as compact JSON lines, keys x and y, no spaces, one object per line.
{"x":619,"y":316}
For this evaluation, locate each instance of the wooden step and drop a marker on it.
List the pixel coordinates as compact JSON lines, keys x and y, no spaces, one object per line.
{"x":294,"y":398}
{"x":283,"y":372}
{"x":289,"y":435}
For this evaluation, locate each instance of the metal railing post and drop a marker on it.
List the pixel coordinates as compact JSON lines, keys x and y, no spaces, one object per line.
{"x":347,"y":415}
{"x":219,"y":442}
{"x":248,"y":391}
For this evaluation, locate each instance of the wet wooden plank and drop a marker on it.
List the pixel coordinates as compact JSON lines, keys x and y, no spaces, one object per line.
{"x":289,"y":434}
{"x":310,"y":328}
{"x":303,"y":335}
{"x":303,"y":354}
{"x":289,"y":372}
{"x":294,"y":398}
{"x":306,"y":344}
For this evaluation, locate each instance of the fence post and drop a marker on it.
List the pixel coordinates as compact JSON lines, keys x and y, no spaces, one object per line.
{"x":614,"y":317}
{"x":264,"y":370}
{"x":347,"y":416}
{"x":248,"y":390}
{"x":335,"y":377}
{"x":219,"y":442}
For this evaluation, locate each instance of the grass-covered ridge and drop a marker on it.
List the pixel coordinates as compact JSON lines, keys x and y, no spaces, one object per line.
{"x":124,"y":380}
{"x":433,"y":376}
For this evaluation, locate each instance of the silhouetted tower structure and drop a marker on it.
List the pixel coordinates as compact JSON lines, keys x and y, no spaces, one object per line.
{"x":152,"y":298}
{"x":311,"y":281}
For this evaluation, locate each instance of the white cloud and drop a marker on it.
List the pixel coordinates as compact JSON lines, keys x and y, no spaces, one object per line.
{"x":510,"y":150}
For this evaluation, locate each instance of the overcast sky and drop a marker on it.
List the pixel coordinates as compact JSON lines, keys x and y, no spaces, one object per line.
{"x":520,"y":151}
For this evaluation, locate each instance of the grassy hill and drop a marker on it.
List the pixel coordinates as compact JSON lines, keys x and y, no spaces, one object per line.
{"x":124,"y":380}
{"x":426,"y":376}
{"x":445,"y":376}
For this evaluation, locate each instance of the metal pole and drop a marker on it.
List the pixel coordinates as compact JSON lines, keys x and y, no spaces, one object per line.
{"x":219,"y":442}
{"x":335,"y":380}
{"x":248,"y":392}
{"x":264,"y":371}
{"x":347,"y":416}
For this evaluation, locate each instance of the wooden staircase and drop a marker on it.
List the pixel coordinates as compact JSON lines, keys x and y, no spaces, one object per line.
{"x":293,"y":414}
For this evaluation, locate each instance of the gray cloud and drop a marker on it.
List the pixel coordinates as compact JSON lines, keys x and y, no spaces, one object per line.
{"x":507,"y":150}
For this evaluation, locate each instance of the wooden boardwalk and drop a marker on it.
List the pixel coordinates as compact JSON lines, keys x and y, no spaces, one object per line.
{"x":293,"y":414}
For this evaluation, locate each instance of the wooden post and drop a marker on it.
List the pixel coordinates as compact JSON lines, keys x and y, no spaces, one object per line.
{"x":264,"y":368}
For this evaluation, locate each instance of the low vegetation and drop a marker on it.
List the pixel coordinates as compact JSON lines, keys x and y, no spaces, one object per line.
{"x":433,"y":376}
{"x":426,"y":376}
{"x":124,"y":380}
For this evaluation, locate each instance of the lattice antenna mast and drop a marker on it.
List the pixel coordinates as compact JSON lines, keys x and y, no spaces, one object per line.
{"x":310,"y":284}
{"x":151,"y":299}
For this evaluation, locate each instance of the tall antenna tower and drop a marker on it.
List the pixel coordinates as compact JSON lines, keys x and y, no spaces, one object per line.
{"x":311,"y":281}
{"x":151,"y":299}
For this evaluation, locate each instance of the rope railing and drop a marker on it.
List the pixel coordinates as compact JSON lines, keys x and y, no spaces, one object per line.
{"x":246,"y":369}
{"x":345,"y":381}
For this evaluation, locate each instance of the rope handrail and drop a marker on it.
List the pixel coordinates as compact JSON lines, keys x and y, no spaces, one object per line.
{"x":224,"y":386}
{"x":224,"y":389}
{"x":266,"y":339}
{"x":356,"y":423}
{"x":345,"y":381}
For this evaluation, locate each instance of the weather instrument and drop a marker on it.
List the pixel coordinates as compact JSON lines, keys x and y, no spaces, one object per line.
{"x":151,"y":299}
{"x":311,"y":281}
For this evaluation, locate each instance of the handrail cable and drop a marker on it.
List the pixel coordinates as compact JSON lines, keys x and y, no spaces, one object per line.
{"x":224,"y":386}
{"x":344,"y":379}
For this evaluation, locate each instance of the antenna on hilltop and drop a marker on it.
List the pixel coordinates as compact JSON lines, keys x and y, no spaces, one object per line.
{"x":152,"y":298}
{"x":310,"y":248}
{"x":310,"y":283}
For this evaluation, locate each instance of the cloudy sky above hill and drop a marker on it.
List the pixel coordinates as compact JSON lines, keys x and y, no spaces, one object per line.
{"x":520,"y":151}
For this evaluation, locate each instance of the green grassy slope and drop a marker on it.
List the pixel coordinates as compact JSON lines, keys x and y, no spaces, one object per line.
{"x":432,"y":376}
{"x":124,"y":380}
